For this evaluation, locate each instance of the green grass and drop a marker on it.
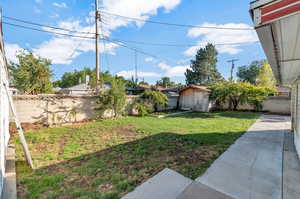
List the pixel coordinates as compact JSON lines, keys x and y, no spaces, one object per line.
{"x":107,"y":159}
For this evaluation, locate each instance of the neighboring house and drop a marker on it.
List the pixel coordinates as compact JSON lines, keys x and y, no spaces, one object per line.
{"x":277,"y":24}
{"x":194,"y":98}
{"x":81,"y":89}
{"x":138,"y":90}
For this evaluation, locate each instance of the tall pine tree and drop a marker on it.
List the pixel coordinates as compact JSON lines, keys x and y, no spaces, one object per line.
{"x":204,"y":68}
{"x":266,"y":77}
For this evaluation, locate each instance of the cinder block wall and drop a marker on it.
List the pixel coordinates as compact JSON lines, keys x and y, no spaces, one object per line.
{"x":276,"y":104}
{"x":57,"y":109}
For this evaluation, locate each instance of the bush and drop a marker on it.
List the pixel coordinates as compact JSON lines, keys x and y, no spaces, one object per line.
{"x":155,"y":98}
{"x":142,"y":109}
{"x":149,"y":101}
{"x":238,"y":93}
{"x":113,"y":99}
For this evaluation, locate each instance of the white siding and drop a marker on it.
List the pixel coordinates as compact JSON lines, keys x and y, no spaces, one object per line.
{"x":4,"y":112}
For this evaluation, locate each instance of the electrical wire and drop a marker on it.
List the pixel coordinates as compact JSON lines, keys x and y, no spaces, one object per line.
{"x":57,"y":33}
{"x":77,"y":46}
{"x":43,"y":25}
{"x":135,"y":49}
{"x":181,"y":45}
{"x":175,"y":24}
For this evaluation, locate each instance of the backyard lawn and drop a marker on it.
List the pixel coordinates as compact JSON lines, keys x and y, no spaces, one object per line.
{"x":107,"y":159}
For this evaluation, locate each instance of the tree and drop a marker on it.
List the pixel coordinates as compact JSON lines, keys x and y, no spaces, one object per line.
{"x":235,"y":94}
{"x":73,"y":78}
{"x":257,"y":94}
{"x":204,"y":68}
{"x":266,"y":77}
{"x":32,"y":75}
{"x":113,"y":99}
{"x":165,"y":82}
{"x":250,"y":73}
{"x":149,"y":101}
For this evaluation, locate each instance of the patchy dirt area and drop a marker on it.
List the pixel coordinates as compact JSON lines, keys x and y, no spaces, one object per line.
{"x":126,"y":130}
{"x":26,"y":127}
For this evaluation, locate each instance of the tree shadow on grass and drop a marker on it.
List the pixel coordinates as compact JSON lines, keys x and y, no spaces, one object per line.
{"x":212,"y":115}
{"x":115,"y":171}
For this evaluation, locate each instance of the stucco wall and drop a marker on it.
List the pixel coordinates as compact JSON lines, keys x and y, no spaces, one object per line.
{"x":278,"y":104}
{"x":57,"y":109}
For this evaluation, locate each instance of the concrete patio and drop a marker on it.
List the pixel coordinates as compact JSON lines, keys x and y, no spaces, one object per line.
{"x":262,"y":164}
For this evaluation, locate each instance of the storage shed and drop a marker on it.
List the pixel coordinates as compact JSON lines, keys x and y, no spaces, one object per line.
{"x":194,"y":98}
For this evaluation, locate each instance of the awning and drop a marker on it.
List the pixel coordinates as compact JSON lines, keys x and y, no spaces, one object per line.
{"x":278,"y":27}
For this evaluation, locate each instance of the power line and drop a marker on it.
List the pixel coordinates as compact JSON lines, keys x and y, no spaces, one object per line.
{"x":43,"y":25}
{"x":180,"y":45}
{"x":57,"y":33}
{"x":74,"y":50}
{"x":135,"y":49}
{"x":175,"y":24}
{"x":119,"y":40}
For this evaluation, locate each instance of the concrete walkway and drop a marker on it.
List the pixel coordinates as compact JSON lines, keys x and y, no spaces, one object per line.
{"x":252,"y":168}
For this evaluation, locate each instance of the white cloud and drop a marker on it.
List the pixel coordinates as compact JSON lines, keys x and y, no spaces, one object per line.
{"x":54,"y":15}
{"x":168,"y":71}
{"x":221,"y":36}
{"x":141,"y":74}
{"x":149,"y":59}
{"x":184,"y":61}
{"x":62,"y":50}
{"x":60,"y":5}
{"x":142,"y":9}
{"x":173,"y":71}
{"x":11,"y":50}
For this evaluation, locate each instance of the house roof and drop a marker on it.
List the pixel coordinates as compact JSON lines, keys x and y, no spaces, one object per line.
{"x":144,"y":86}
{"x":202,"y":88}
{"x":78,"y":87}
{"x":277,"y":24}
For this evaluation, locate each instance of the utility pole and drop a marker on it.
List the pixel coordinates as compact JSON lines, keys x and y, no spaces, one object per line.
{"x":232,"y":66}
{"x":135,"y":60}
{"x":97,"y":20}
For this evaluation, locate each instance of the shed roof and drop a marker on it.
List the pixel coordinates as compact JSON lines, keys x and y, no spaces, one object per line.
{"x":202,"y":88}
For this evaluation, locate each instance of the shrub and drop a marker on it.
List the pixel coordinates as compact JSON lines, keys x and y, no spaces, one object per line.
{"x":113,"y":99}
{"x":237,"y":93}
{"x":149,"y":101}
{"x":155,"y":98}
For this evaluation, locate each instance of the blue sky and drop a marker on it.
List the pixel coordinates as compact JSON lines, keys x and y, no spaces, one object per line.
{"x":68,"y":54}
